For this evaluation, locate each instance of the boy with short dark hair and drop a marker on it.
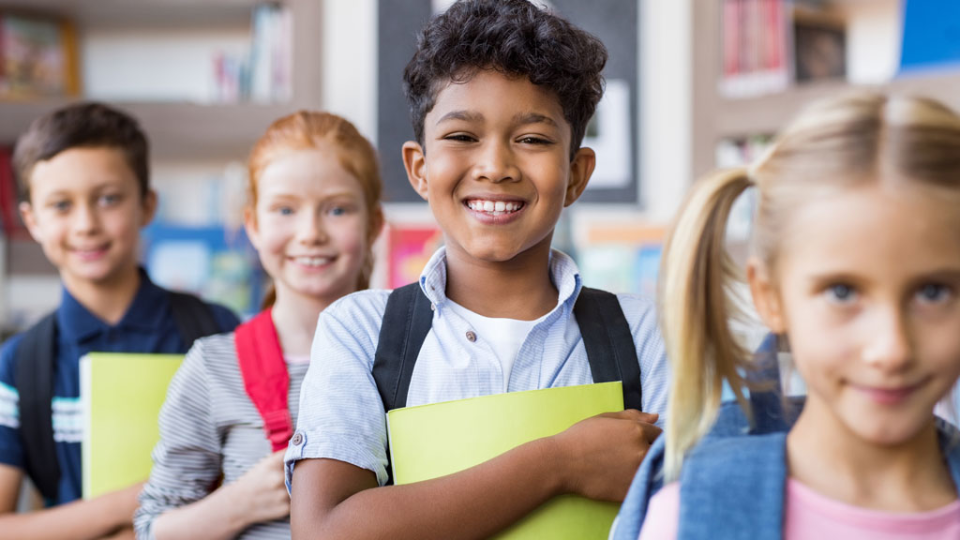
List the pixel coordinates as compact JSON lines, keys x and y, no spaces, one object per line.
{"x":501,"y":93}
{"x":83,"y":173}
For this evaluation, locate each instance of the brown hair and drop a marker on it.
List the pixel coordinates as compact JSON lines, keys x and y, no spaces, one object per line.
{"x":81,"y":125}
{"x":305,"y":130}
{"x":836,"y":143}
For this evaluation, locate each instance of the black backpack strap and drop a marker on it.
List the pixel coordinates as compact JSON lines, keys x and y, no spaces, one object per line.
{"x":609,"y":343}
{"x":406,"y":322}
{"x":36,"y":358}
{"x":193,"y":317}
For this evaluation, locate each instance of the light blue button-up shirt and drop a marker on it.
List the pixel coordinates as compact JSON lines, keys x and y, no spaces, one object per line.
{"x":342,"y":416}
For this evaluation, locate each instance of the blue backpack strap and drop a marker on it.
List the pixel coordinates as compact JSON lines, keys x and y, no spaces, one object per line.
{"x":193,"y":317}
{"x":646,"y":484}
{"x":36,"y":358}
{"x":609,"y":343}
{"x":734,"y":488}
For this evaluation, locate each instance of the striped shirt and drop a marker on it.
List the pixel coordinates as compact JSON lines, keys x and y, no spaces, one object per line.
{"x":342,"y":416}
{"x":209,"y":426}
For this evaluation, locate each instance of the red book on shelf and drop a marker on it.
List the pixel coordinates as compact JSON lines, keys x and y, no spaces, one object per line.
{"x":9,"y":216}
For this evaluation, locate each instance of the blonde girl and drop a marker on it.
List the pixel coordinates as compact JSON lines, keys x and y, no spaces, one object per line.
{"x":856,"y":259}
{"x":313,"y":214}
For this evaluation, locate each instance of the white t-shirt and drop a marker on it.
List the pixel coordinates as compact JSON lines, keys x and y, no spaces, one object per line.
{"x":505,"y":336}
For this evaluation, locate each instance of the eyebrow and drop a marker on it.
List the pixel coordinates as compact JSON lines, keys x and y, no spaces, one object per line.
{"x":460,"y":115}
{"x":534,"y":118}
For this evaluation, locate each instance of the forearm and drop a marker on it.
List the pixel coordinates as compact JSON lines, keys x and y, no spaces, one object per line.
{"x":78,"y":520}
{"x":217,"y":516}
{"x":475,"y":503}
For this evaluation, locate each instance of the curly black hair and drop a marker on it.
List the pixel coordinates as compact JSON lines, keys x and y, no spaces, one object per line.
{"x":82,"y":125}
{"x":513,"y":37}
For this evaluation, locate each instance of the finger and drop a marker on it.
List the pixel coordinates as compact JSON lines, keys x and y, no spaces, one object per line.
{"x":650,"y":418}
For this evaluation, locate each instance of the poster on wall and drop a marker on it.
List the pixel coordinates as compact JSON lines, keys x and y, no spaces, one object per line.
{"x":613,"y":133}
{"x":409,"y":248}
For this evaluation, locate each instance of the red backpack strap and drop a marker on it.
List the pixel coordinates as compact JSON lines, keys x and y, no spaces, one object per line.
{"x":265,"y":376}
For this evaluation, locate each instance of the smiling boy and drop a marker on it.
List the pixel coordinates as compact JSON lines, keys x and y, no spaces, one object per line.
{"x":83,"y":172}
{"x":500,"y":93}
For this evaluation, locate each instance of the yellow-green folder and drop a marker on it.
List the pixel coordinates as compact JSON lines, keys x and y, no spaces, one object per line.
{"x":430,"y":441}
{"x":121,"y":395}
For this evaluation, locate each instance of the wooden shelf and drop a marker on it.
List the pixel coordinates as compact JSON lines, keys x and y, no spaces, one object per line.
{"x":770,"y":113}
{"x":177,"y":131}
{"x":143,"y":14}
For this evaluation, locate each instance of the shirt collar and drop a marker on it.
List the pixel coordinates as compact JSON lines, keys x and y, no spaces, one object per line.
{"x":147,"y":311}
{"x":563,"y":272}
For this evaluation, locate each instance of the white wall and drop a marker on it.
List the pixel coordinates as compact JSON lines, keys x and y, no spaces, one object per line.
{"x":350,"y":62}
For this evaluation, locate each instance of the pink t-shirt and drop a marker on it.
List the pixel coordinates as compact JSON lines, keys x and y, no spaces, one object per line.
{"x":811,"y":516}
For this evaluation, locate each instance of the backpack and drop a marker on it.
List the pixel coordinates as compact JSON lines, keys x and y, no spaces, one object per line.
{"x":35,"y":367}
{"x":408,"y":317}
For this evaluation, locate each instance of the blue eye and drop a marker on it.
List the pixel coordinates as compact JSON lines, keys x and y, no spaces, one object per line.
{"x":841,"y":293}
{"x":933,"y":293}
{"x":338,"y":211}
{"x":61,"y":206}
{"x":109,"y":200}
{"x":285,"y":211}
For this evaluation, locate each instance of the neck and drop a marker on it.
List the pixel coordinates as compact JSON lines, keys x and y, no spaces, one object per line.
{"x":520,"y":288}
{"x":295,"y":319}
{"x":825,"y":455}
{"x":109,"y":299}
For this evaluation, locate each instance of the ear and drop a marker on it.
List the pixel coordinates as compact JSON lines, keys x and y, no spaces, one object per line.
{"x":30,"y":220}
{"x":766,"y":296}
{"x":149,"y":208}
{"x":250,"y":226}
{"x":581,"y":169}
{"x":376,"y":224}
{"x":416,"y":166}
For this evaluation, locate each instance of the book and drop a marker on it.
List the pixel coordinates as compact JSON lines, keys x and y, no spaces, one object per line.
{"x":121,"y":395}
{"x":430,"y":441}
{"x":38,"y":56}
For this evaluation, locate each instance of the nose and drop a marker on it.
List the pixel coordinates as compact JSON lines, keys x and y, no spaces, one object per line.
{"x":86,"y":219}
{"x":311,"y":229}
{"x":497,"y":163}
{"x":889,"y":346}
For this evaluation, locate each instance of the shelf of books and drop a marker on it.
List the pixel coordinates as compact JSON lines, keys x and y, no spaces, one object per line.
{"x":205,"y":77}
{"x":759,"y":62}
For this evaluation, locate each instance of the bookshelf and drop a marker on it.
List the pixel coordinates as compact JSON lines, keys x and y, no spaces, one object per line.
{"x":873,"y":33}
{"x":194,"y":129}
{"x":185,"y":129}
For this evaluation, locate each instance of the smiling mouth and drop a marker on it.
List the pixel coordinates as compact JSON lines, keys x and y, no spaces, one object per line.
{"x":313,"y":262}
{"x":494,"y":208}
{"x":889,"y":396}
{"x":90,"y":252}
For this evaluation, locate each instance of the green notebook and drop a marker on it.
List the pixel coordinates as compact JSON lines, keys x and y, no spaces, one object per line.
{"x":121,"y":395}
{"x":430,"y":441}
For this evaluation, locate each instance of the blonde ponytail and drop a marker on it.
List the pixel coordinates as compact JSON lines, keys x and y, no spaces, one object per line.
{"x":696,"y":274}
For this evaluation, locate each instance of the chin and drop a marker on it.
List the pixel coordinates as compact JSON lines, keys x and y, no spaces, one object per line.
{"x":891,"y":431}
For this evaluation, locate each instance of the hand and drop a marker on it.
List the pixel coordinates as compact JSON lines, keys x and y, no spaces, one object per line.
{"x":600,"y":455}
{"x":261,"y":493}
{"x":123,"y":503}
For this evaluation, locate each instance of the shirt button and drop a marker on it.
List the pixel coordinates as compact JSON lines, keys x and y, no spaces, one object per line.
{"x":471,"y":337}
{"x":297,"y":438}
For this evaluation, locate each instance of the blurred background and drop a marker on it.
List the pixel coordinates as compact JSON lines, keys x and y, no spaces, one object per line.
{"x":691,"y":85}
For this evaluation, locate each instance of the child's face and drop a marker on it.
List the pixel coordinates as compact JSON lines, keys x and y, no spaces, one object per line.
{"x":868,"y":285}
{"x":495,"y":166}
{"x":310,"y":227}
{"x":86,"y":211}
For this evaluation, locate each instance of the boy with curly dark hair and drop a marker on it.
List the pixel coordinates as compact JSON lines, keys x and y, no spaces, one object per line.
{"x":500,"y":92}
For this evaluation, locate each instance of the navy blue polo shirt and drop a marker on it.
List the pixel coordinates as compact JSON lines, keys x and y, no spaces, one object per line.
{"x":147,"y":327}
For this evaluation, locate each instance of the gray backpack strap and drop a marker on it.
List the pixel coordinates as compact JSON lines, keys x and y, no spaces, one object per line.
{"x":36,"y":358}
{"x":608,"y":340}
{"x":734,"y":488}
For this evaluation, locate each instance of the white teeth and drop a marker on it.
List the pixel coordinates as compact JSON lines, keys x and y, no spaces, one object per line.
{"x":312,"y":261}
{"x":496,"y":208}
